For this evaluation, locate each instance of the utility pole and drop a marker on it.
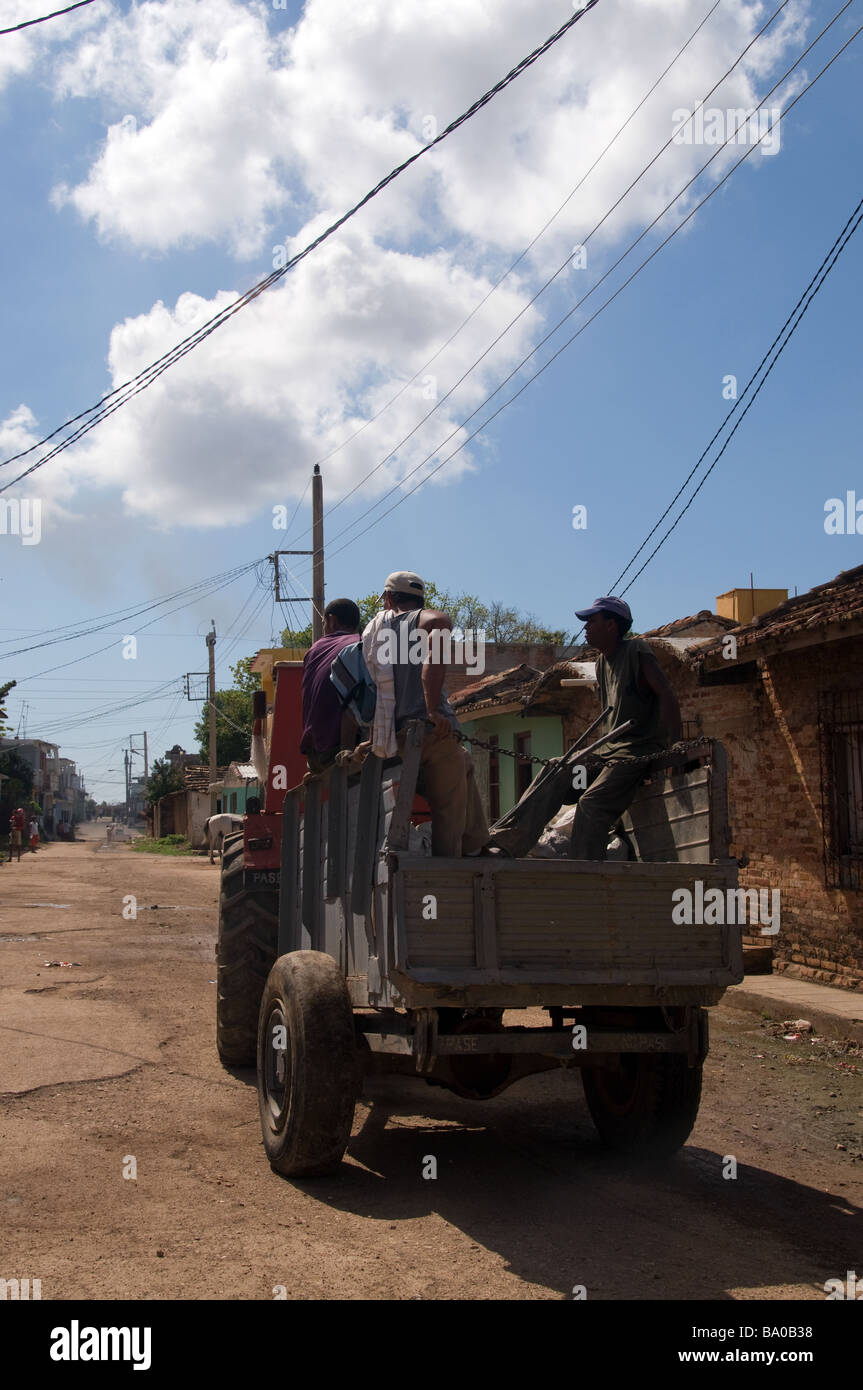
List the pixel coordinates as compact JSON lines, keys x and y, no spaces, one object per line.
{"x":127,"y":763}
{"x":211,"y":649}
{"x":317,"y":554}
{"x":146,"y":763}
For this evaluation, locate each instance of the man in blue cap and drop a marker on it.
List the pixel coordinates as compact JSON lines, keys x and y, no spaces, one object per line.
{"x":631,"y":683}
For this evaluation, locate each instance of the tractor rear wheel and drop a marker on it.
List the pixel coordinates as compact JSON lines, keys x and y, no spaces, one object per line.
{"x":646,"y":1108}
{"x":308,"y":1073}
{"x":248,"y":936}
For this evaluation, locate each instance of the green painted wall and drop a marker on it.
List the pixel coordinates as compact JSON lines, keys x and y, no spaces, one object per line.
{"x":546,"y":741}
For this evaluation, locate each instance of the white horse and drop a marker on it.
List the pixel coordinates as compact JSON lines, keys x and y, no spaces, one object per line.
{"x":217,"y":827}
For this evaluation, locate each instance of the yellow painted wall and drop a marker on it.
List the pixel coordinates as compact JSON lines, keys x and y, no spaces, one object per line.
{"x":738,"y":604}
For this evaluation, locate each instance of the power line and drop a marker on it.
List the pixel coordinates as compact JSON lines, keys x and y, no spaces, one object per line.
{"x":484,"y":425}
{"x":28,"y":23}
{"x":487,"y":296}
{"x":106,"y":620}
{"x":102,"y":409}
{"x":564,"y":264}
{"x":808,"y":295}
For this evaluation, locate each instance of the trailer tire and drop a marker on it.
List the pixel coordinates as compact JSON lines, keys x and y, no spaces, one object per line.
{"x":649,"y":1108}
{"x":246,"y":949}
{"x":308,"y":1070}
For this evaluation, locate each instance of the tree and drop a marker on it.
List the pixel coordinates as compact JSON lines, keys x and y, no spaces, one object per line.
{"x":4,"y":691}
{"x":244,"y":677}
{"x":16,"y":785}
{"x":501,"y":624}
{"x":233,"y":725}
{"x":163,"y":780}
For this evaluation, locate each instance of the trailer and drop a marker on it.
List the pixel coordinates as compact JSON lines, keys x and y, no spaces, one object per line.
{"x":346,"y":951}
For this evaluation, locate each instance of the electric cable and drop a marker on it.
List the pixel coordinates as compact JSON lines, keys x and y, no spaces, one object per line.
{"x":28,"y":23}
{"x":396,"y":487}
{"x":145,"y":378}
{"x":487,"y":296}
{"x":390,"y":454}
{"x":809,"y":294}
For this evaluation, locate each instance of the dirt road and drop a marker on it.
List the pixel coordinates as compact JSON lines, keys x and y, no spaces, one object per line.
{"x":108,"y":1067}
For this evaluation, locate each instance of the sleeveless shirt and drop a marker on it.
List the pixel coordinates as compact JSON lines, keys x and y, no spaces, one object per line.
{"x":617,"y":678}
{"x":408,"y":677}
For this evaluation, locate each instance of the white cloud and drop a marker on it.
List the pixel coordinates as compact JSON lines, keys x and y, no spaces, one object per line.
{"x":224,"y":127}
{"x":235,"y":428}
{"x":22,"y":51}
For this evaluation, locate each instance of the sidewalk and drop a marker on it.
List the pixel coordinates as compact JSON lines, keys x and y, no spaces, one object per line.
{"x":833,"y":1013}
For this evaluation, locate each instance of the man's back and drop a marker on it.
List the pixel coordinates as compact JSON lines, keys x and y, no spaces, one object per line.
{"x":322,"y":710}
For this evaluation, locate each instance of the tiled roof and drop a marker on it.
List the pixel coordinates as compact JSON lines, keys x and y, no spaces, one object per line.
{"x":838,"y":601}
{"x":500,"y":688}
{"x":705,"y":620}
{"x":197,"y":779}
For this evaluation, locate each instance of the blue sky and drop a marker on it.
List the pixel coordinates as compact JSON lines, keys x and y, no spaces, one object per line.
{"x":260,"y":126}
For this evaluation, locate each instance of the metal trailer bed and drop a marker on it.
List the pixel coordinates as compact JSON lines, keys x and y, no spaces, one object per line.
{"x":389,"y":960}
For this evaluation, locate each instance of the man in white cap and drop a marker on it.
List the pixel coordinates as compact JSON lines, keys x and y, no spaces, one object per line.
{"x":630,"y":681}
{"x":446,"y":777}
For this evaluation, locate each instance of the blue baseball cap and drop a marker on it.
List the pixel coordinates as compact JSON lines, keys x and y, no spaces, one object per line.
{"x":617,"y":606}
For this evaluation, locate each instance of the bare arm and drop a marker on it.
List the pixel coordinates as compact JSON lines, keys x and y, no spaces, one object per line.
{"x":434,"y":669}
{"x":650,"y":672}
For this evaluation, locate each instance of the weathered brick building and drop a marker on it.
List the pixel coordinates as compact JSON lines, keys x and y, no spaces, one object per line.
{"x":784,"y":693}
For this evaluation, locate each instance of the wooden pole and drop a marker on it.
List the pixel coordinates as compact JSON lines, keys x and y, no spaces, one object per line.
{"x":211,"y":649}
{"x":317,"y":554}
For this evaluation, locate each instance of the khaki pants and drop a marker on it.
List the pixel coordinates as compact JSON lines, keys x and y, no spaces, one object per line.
{"x":446,"y":780}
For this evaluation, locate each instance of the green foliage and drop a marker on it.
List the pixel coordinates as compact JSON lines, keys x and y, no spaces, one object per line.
{"x":16,"y":787}
{"x":163,"y":779}
{"x":297,"y":637}
{"x":167,"y":844}
{"x":501,"y":624}
{"x":244,"y":677}
{"x":4,"y":691}
{"x":233,"y":725}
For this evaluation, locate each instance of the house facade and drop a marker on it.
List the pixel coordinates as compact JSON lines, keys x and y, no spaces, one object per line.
{"x":784,"y":694}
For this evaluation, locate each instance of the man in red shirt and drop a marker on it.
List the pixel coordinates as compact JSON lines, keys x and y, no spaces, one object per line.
{"x":322,"y":710}
{"x":16,"y":832}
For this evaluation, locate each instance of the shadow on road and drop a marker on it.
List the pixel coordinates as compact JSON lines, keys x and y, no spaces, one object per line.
{"x":526,"y":1176}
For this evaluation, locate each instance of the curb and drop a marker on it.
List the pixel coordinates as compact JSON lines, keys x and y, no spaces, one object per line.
{"x":825,"y":1022}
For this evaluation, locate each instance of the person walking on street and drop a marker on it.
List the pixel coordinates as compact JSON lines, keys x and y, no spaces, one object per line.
{"x":16,"y":832}
{"x":34,"y":834}
{"x":630,"y":681}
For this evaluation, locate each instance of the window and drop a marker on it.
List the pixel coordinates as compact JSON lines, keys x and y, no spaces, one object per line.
{"x":493,"y":778}
{"x":841,"y":730}
{"x":523,"y":767}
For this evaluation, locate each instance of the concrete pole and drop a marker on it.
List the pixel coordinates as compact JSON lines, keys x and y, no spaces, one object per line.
{"x":317,"y":554}
{"x":146,"y":764}
{"x":211,"y":648}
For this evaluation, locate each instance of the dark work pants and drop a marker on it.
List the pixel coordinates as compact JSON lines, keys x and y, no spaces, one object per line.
{"x":605,"y":799}
{"x":603,"y":803}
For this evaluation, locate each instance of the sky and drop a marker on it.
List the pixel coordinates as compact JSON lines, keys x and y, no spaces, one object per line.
{"x":160,"y":159}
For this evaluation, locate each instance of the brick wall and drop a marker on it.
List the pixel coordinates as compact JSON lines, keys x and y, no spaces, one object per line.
{"x":770,"y":731}
{"x":769,"y":727}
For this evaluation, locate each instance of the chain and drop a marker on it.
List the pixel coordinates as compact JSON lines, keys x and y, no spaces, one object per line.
{"x":507,"y":752}
{"x":593,"y":760}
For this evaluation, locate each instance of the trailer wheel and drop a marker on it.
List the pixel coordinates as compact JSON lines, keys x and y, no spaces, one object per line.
{"x":308,"y":1073}
{"x":248,"y":934}
{"x":648,"y":1107}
